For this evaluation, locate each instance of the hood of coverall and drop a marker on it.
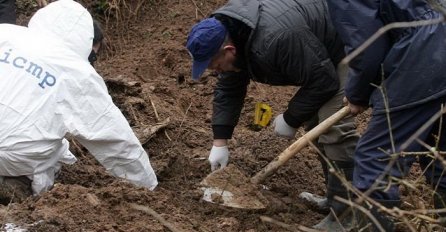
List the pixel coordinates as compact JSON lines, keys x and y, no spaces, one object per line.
{"x":67,"y":20}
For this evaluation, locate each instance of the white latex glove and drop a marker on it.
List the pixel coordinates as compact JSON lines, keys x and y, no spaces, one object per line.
{"x":219,"y":156}
{"x":281,"y":128}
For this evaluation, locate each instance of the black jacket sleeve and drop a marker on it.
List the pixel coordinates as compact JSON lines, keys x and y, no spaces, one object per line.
{"x":229,"y":96}
{"x":304,"y":60}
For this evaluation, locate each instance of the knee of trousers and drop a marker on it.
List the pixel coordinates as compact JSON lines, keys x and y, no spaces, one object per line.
{"x":339,"y":144}
{"x":368,"y":171}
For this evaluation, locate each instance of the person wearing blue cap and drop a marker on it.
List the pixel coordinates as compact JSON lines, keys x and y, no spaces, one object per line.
{"x":277,"y":42}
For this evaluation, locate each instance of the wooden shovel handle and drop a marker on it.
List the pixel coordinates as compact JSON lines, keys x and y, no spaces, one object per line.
{"x":302,"y":142}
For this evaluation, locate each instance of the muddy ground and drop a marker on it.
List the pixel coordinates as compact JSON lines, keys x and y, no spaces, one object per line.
{"x":147,"y":70}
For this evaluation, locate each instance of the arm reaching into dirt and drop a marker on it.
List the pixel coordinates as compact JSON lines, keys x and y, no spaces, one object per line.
{"x":100,"y":126}
{"x":304,"y":60}
{"x":281,"y":128}
{"x":229,"y":97}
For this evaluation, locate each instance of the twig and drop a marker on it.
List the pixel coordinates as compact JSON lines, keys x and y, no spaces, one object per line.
{"x":167,"y":135}
{"x":361,"y":196}
{"x":185,"y":115}
{"x":395,"y":212}
{"x":431,"y":121}
{"x":441,"y":122}
{"x":276,"y":222}
{"x":131,"y":111}
{"x":197,"y":9}
{"x":149,"y":132}
{"x":415,"y":153}
{"x":156,"y":215}
{"x":383,"y":30}
{"x":154,"y":109}
{"x":383,"y":91}
{"x":395,"y":158}
{"x":381,"y":177}
{"x":434,"y":151}
{"x":157,"y":116}
{"x":182,"y":121}
{"x":363,"y":210}
{"x":436,"y":6}
{"x":437,"y":157}
{"x":286,"y":226}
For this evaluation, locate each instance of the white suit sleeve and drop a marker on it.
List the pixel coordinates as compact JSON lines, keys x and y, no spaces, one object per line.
{"x":99,"y":125}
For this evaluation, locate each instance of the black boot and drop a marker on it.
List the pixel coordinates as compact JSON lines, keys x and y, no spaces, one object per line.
{"x":364,"y":223}
{"x":316,"y":202}
{"x":440,"y":203}
{"x":339,"y":218}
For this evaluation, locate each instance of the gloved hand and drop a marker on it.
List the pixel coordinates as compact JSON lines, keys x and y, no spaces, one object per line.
{"x":281,"y":128}
{"x":219,"y":156}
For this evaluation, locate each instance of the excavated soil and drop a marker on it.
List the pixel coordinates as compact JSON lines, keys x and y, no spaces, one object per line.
{"x":147,"y":70}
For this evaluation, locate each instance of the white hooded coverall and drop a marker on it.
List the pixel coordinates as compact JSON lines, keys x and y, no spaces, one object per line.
{"x":48,"y":89}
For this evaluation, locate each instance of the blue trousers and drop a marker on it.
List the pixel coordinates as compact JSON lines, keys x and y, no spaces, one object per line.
{"x":7,"y":11}
{"x":372,"y":152}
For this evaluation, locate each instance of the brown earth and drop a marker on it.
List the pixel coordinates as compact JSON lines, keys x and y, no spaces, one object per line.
{"x":147,"y":70}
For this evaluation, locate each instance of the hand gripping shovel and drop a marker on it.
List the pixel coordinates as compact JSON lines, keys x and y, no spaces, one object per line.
{"x":229,"y":187}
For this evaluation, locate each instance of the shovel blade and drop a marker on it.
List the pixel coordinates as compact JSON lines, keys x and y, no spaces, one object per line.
{"x":226,"y":198}
{"x":229,"y":187}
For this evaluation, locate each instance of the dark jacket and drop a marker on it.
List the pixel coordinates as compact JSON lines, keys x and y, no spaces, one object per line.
{"x":291,"y":43}
{"x":413,"y":59}
{"x":7,"y":11}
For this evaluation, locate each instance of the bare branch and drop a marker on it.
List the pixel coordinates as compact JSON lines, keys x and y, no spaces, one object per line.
{"x":383,"y":30}
{"x":148,"y":133}
{"x":286,"y":226}
{"x":431,"y":121}
{"x":156,"y":215}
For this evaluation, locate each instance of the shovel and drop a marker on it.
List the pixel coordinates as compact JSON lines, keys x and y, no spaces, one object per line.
{"x":229,"y":187}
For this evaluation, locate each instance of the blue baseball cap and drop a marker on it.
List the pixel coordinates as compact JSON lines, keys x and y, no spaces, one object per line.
{"x":204,"y":41}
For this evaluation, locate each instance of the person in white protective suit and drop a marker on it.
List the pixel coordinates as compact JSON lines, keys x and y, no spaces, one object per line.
{"x":48,"y":89}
